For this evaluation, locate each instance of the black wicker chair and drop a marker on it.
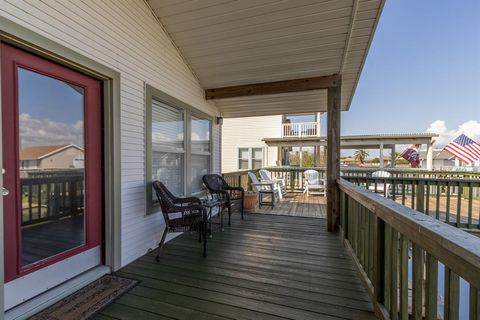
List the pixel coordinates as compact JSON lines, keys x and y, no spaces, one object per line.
{"x":193,"y":215}
{"x":219,"y":189}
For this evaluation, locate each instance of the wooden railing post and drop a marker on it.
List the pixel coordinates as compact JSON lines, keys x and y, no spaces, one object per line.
{"x":379,"y":262}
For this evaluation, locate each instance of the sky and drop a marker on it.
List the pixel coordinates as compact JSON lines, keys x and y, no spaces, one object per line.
{"x":51,"y":111}
{"x":422,"y":72}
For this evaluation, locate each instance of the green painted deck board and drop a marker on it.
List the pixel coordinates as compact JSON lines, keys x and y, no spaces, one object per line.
{"x":265,"y":267}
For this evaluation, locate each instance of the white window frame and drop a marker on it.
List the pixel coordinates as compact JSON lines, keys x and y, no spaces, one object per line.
{"x":250,"y":157}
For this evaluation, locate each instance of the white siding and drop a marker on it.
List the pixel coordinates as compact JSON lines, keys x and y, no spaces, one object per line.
{"x":248,"y":133}
{"x":125,"y":36}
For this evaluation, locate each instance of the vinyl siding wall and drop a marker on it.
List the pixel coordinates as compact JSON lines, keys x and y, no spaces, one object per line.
{"x":248,"y":133}
{"x":124,"y":36}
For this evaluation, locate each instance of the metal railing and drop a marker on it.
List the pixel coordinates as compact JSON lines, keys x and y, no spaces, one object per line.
{"x":402,"y":253}
{"x":300,"y":129}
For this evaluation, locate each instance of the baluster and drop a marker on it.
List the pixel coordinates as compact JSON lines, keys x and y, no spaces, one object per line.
{"x":470,"y":203}
{"x":459,"y":205}
{"x":427,"y":199}
{"x":474,"y":303}
{"x":437,"y":204}
{"x":394,"y":276}
{"x":388,"y":266}
{"x":418,"y":263}
{"x":447,"y":211}
{"x":452,"y":291}
{"x":403,"y":262}
{"x":379,"y":262}
{"x":431,"y":287}
{"x":420,"y":198}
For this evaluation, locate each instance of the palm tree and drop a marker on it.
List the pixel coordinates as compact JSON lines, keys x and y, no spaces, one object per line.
{"x":361,"y":155}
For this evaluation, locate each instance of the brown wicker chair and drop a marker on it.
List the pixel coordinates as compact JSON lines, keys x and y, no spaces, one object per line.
{"x":220,"y":190}
{"x":193,"y":215}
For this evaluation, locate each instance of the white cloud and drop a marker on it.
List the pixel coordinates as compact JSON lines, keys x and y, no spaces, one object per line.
{"x":42,"y":132}
{"x":471,"y":128}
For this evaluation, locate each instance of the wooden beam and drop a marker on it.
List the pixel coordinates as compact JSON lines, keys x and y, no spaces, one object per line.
{"x":333,"y":158}
{"x":276,"y":87}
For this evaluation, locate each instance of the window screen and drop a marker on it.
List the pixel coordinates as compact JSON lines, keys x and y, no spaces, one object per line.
{"x":243,"y":157}
{"x":200,"y":138}
{"x":168,"y":146}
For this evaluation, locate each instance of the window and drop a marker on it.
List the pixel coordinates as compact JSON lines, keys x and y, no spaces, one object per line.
{"x":201,"y":155}
{"x":257,"y":158}
{"x":243,"y":158}
{"x":178,"y":146}
{"x":168,"y":146}
{"x":250,"y":158}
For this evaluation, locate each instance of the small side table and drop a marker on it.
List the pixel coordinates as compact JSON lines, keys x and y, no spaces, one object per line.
{"x":210,"y":204}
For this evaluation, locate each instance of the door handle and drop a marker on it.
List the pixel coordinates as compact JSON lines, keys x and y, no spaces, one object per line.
{"x":5,"y":191}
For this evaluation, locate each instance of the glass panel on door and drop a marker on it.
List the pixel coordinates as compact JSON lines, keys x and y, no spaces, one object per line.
{"x":51,"y":155}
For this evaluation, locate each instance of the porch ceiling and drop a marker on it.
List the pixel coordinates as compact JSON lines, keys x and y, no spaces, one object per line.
{"x":229,"y":43}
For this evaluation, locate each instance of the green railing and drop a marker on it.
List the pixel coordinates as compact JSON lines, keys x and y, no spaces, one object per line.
{"x":407,"y":259}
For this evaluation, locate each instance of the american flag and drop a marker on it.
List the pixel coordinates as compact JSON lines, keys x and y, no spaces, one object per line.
{"x":464,"y":149}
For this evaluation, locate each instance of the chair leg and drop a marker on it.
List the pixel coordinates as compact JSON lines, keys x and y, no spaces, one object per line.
{"x":205,"y":227}
{"x":229,"y":215}
{"x":200,"y":231}
{"x":160,"y":245}
{"x":241,"y":207}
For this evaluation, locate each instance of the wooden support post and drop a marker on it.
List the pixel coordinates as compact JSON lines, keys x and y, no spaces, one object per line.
{"x":394,"y":157}
{"x":333,"y":158}
{"x":381,"y":156}
{"x":429,"y":156}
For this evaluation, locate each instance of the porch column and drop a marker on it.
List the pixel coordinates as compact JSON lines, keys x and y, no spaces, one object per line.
{"x":394,"y":157}
{"x":333,"y":158}
{"x":381,"y":155}
{"x":301,"y":157}
{"x":429,"y":156}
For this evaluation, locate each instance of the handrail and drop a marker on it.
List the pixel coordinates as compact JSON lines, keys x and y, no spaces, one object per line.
{"x":378,"y":230}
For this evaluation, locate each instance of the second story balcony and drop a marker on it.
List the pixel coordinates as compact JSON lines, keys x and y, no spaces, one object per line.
{"x":300,"y":129}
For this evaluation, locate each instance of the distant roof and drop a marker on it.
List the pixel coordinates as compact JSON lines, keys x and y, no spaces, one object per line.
{"x":38,"y":152}
{"x":438,"y":154}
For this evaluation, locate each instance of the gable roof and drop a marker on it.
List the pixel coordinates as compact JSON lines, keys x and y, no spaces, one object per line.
{"x":39,"y":152}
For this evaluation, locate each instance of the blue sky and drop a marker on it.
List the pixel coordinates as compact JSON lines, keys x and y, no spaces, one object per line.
{"x":423,"y":66}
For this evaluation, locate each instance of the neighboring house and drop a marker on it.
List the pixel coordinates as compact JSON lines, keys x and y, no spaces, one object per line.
{"x":242,"y":139}
{"x":62,"y":156}
{"x":442,"y":160}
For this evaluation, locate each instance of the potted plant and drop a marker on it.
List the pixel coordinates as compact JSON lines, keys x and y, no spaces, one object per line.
{"x":250,"y":200}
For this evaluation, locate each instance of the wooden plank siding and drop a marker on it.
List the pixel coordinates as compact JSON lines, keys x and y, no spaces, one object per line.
{"x":124,"y":36}
{"x":264,"y":267}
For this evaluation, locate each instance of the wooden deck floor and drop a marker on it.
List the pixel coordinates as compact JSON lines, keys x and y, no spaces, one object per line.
{"x":265,"y":267}
{"x":299,"y":205}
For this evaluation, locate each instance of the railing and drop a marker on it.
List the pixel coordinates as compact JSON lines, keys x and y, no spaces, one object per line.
{"x":402,"y":254}
{"x":454,"y":201}
{"x":51,"y":197}
{"x":300,"y":129}
{"x":451,"y":197}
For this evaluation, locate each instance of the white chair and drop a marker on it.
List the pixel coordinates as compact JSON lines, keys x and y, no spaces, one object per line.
{"x":264,"y":189}
{"x":313,"y":184}
{"x":383,"y":188}
{"x":265,"y":177}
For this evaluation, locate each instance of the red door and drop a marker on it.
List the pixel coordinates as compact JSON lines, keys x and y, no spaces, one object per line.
{"x":52,"y":156}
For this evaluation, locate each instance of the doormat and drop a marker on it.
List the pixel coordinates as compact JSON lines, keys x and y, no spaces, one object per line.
{"x":89,"y":300}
